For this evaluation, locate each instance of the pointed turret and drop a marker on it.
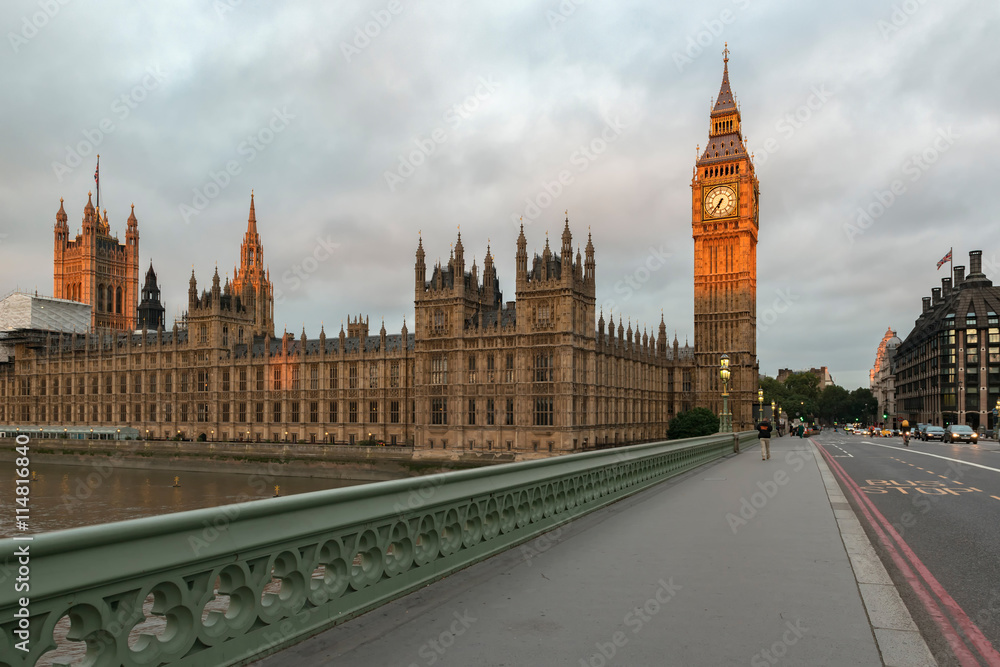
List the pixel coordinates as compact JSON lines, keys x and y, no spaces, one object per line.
{"x":522,"y":257}
{"x":566,"y":254}
{"x":420,"y":268}
{"x":589,"y":266}
{"x":252,"y":219}
{"x":725,"y":103}
{"x":725,"y":140}
{"x":150,"y":312}
{"x":216,"y":285}
{"x":90,"y":217}
{"x":61,"y":217}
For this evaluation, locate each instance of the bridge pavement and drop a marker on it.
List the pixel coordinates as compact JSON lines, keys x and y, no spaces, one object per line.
{"x":739,"y":562}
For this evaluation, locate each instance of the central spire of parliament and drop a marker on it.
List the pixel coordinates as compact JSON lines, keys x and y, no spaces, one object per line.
{"x":251,"y":279}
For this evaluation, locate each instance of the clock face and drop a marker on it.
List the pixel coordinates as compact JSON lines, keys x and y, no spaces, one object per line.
{"x":720,"y":202}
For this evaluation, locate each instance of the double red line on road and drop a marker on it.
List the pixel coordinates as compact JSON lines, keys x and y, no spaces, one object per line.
{"x":917,"y":575}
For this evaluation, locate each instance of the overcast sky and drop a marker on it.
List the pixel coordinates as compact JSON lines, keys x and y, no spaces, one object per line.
{"x":315,"y":115}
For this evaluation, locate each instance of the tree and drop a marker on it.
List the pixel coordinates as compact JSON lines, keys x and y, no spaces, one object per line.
{"x":863,"y":405}
{"x":835,"y":404}
{"x":693,"y":423}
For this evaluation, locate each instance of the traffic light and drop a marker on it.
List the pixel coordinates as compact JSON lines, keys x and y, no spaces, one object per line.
{"x":885,"y":415}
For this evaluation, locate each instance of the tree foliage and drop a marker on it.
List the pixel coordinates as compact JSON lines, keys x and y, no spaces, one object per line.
{"x":800,"y":396}
{"x":693,"y":423}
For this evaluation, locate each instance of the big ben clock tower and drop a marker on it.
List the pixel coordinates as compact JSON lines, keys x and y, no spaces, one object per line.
{"x":724,"y":223}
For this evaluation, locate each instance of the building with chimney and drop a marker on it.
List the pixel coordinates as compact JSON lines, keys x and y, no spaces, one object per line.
{"x":947,"y":369}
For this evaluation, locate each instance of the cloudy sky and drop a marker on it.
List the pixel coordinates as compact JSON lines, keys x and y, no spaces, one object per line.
{"x":322,"y":109}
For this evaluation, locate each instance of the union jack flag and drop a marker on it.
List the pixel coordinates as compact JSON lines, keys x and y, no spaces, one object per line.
{"x":946,"y":258}
{"x":96,"y":173}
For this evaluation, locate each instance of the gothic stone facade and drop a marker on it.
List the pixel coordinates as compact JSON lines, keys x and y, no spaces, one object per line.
{"x":477,"y":373}
{"x":94,"y":268}
{"x":724,"y":224}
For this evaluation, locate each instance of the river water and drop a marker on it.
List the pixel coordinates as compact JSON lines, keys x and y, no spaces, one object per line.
{"x":69,"y":496}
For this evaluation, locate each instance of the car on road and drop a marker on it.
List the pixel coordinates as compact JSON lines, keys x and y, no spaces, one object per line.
{"x":960,"y":433}
{"x":932,"y":433}
{"x":885,"y":433}
{"x":920,"y":430}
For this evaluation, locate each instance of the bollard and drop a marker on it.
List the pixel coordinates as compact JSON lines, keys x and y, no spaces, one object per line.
{"x":177,"y":482}
{"x":736,"y":443}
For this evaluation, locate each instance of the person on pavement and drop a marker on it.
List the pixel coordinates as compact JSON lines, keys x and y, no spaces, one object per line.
{"x":764,"y":435}
{"x":802,"y":429}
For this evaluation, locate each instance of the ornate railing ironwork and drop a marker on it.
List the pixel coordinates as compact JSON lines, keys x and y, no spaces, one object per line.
{"x":225,"y":585}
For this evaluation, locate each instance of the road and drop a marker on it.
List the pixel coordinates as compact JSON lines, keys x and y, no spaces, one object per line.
{"x":931,"y":510}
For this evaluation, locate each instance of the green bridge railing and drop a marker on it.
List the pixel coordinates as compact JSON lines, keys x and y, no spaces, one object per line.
{"x":226,"y":585}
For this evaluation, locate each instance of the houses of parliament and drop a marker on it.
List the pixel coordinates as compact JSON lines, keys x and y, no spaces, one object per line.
{"x":475,"y":373}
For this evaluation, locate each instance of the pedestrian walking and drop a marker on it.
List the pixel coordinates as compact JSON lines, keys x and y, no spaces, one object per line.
{"x":764,"y":435}
{"x":802,"y":429}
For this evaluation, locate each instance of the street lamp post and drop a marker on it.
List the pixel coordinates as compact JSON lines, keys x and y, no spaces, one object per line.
{"x":726,"y":419}
{"x":760,"y":405}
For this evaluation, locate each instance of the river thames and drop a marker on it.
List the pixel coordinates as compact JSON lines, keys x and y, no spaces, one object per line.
{"x":70,"y":496}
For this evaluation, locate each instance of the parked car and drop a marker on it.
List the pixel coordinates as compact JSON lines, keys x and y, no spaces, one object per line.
{"x":960,"y":433}
{"x":932,"y":433}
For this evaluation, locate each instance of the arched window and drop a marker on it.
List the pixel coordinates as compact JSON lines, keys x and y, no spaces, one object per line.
{"x":111,"y":299}
{"x":100,"y":298}
{"x":118,"y":301}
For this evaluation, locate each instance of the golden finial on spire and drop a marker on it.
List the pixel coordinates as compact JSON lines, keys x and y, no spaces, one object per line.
{"x":725,"y":53}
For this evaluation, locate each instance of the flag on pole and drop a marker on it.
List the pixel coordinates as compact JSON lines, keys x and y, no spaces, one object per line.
{"x":946,"y":258}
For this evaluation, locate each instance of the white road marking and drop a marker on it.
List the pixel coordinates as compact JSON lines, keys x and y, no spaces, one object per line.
{"x":946,"y":458}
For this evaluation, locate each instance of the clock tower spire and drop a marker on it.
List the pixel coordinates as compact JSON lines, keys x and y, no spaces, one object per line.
{"x":724,"y":224}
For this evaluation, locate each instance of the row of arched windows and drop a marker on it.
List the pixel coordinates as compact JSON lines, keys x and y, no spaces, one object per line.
{"x":113,"y":302}
{"x":725,"y":170}
{"x":724,"y":126}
